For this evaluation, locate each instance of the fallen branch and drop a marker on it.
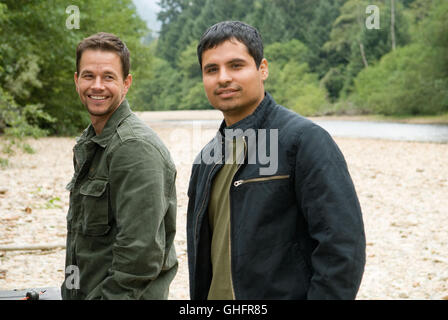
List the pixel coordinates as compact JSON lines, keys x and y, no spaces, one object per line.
{"x":28,"y":247}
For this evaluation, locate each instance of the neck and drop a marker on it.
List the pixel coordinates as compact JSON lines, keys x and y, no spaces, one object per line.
{"x":98,"y":123}
{"x":232,"y":117}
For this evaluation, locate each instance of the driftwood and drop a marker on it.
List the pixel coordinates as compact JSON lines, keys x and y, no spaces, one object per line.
{"x":27,"y":247}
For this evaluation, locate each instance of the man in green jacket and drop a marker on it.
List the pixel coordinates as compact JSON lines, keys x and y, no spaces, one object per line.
{"x":122,"y":217}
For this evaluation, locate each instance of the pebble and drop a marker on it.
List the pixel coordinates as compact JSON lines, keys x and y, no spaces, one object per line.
{"x":404,"y":213}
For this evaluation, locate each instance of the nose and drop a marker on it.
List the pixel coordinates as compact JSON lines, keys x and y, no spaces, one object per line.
{"x":97,"y":84}
{"x":224,"y":76}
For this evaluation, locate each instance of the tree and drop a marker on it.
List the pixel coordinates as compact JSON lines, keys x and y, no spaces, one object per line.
{"x":178,"y":26}
{"x":269,"y":21}
{"x":356,"y":47}
{"x":412,"y":79}
{"x":392,"y":23}
{"x":17,"y":121}
{"x":38,"y":54}
{"x":290,"y":80}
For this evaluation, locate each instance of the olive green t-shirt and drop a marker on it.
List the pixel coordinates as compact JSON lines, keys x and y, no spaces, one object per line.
{"x":221,"y":287}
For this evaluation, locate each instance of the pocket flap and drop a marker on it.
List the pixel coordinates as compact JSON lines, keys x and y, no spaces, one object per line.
{"x":93,"y":188}
{"x":70,"y":185}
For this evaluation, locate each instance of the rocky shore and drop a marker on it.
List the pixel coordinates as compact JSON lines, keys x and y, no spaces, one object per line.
{"x":402,"y":188}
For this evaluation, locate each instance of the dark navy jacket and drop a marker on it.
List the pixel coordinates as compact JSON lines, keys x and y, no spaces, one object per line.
{"x":295,"y":234}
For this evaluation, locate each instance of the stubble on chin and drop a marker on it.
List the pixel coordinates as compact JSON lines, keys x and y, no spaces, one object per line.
{"x":100,"y":113}
{"x":236,"y":107}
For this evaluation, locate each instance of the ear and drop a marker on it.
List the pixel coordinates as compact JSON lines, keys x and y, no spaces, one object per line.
{"x":264,"y":69}
{"x":127,"y":83}
{"x":76,"y":80}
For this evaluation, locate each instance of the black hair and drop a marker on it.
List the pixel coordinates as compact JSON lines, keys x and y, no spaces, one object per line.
{"x":227,"y":30}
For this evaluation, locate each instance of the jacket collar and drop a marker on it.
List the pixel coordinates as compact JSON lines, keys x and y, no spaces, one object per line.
{"x":122,"y":112}
{"x":255,"y":120}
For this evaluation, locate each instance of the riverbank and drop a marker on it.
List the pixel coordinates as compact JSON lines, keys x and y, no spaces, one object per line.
{"x":151,"y":116}
{"x":438,"y":119}
{"x":402,"y":188}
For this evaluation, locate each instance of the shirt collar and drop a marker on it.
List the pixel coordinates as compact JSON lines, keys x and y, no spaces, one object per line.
{"x":121,"y":113}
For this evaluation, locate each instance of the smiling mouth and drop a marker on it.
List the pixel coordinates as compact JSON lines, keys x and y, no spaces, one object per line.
{"x":227,"y":92}
{"x":97,"y":97}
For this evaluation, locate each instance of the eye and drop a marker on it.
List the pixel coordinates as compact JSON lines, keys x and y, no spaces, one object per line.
{"x":211,"y":70}
{"x":237,"y":65}
{"x":87,"y":76}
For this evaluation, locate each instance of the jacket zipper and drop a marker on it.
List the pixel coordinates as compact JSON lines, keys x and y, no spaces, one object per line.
{"x":240,"y":182}
{"x":202,"y":205}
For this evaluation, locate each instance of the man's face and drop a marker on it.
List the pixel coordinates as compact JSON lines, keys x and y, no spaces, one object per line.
{"x":232,"y":82}
{"x":100,"y":82}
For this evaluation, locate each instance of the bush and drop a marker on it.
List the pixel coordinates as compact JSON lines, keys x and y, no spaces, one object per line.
{"x":403,"y":83}
{"x":290,"y":81}
{"x":17,"y":122}
{"x":413,"y":79}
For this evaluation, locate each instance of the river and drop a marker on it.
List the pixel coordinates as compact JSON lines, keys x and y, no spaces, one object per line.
{"x":387,"y":130}
{"x":356,"y":129}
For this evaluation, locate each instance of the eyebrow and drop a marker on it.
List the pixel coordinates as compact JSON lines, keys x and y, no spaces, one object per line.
{"x":84,"y":72}
{"x":236,"y":60}
{"x":210,"y":65}
{"x":107,"y":72}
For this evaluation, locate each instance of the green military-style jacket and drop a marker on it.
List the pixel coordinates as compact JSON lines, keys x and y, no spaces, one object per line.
{"x":121,"y":221}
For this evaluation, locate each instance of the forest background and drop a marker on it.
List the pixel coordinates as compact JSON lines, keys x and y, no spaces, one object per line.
{"x":324,"y":57}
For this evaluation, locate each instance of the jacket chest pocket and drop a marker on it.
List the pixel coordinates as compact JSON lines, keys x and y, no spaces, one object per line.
{"x":95,"y":207}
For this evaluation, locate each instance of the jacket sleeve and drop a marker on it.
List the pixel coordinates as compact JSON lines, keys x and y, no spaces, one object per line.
{"x":142,"y":191}
{"x":190,"y":228}
{"x":327,"y":197}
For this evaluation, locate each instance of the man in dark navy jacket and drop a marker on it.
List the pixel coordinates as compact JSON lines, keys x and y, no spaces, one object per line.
{"x":273,"y":212}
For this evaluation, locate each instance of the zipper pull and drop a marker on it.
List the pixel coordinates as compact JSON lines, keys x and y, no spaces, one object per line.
{"x":238,"y":183}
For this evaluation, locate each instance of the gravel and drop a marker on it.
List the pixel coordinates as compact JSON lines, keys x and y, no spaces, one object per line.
{"x":402,"y":188}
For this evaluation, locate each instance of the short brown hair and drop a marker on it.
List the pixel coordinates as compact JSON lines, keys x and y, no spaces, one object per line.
{"x":106,"y":42}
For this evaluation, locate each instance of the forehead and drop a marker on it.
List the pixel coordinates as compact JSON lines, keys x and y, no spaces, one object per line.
{"x":226,"y":51}
{"x":94,"y":59}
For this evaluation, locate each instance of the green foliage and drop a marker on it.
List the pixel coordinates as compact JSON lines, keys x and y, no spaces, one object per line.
{"x":280,"y":53}
{"x":178,"y":87}
{"x":413,"y":79}
{"x":396,"y":85}
{"x":350,"y":39}
{"x":290,"y":80}
{"x":319,"y":52}
{"x":314,"y":49}
{"x":333,"y":82}
{"x":195,"y":97}
{"x":37,"y":55}
{"x":17,"y":122}
{"x":263,"y":15}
